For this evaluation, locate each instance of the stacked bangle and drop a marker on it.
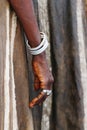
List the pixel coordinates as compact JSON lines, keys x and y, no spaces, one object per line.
{"x":48,"y":92}
{"x":41,"y":47}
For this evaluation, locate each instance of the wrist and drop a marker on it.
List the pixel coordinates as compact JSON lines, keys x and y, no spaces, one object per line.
{"x":35,"y":41}
{"x":40,"y":56}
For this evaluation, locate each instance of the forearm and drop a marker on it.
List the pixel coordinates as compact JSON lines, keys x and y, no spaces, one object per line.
{"x":25,"y":12}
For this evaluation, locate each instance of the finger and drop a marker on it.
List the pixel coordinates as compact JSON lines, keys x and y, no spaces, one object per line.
{"x":36,"y":83}
{"x":39,"y":99}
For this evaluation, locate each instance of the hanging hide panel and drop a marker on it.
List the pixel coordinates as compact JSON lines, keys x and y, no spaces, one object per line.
{"x":66,"y":97}
{"x":21,"y":82}
{"x":14,"y":110}
{"x":79,"y":26}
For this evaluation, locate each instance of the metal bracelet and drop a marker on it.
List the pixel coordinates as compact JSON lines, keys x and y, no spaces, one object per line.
{"x":41,"y":47}
{"x":48,"y":92}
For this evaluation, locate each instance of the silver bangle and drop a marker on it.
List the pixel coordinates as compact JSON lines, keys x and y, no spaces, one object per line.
{"x":48,"y":92}
{"x":41,"y":47}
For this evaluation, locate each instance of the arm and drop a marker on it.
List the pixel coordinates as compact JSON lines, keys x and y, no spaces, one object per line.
{"x":43,"y":78}
{"x":25,"y":12}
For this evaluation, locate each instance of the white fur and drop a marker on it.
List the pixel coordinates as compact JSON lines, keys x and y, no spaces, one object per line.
{"x":83,"y":66}
{"x":9,"y":84}
{"x":14,"y":112}
{"x":6,"y":76}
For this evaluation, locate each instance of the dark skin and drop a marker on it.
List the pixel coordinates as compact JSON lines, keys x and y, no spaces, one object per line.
{"x":43,"y":78}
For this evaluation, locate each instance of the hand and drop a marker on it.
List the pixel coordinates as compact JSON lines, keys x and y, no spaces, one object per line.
{"x":43,"y":78}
